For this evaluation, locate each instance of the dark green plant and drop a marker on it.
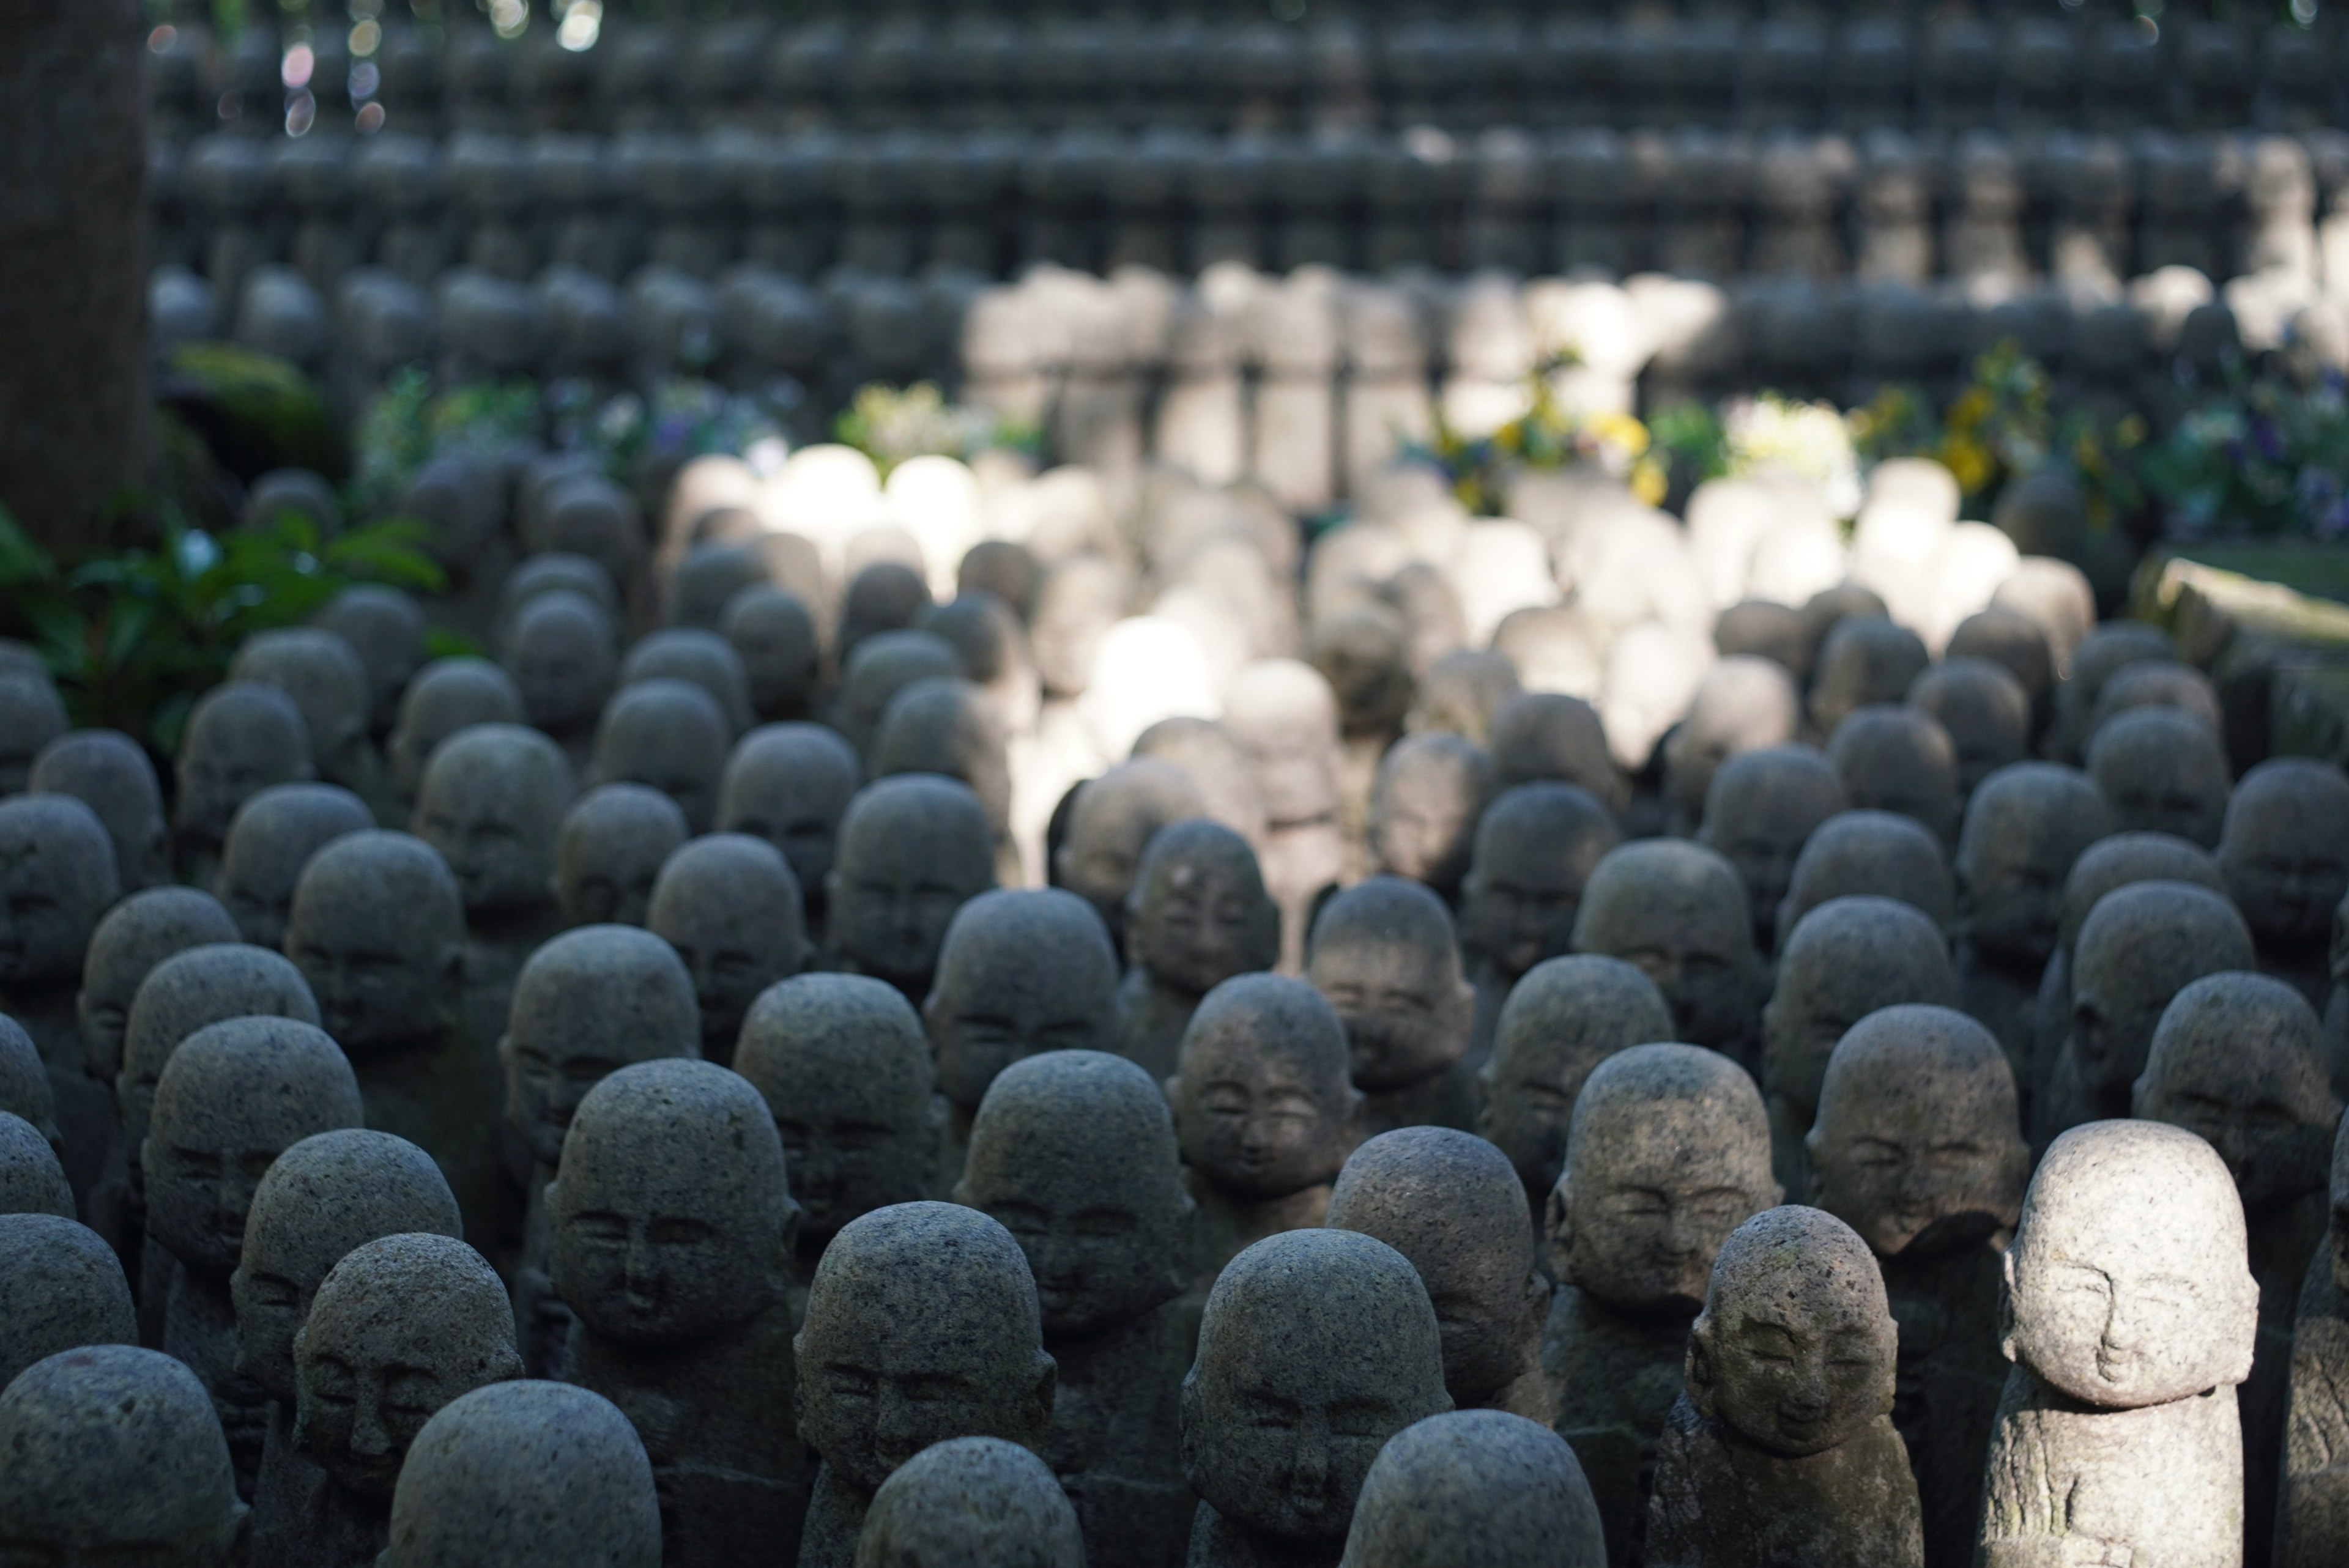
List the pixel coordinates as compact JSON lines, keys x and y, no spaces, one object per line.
{"x":133,"y":638}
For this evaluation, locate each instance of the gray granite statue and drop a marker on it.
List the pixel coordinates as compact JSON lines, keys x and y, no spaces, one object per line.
{"x":1536,"y":846}
{"x":729,"y":905}
{"x":109,"y":772}
{"x":1198,"y":915}
{"x":2284,"y":852}
{"x":1475,"y":1489}
{"x":1316,"y":1348}
{"x":1783,"y":1450}
{"x":972,"y":1503}
{"x":1918,"y":1147}
{"x":922,"y":1324}
{"x":670,"y":1225}
{"x":60,"y":1288}
{"x":1563,"y":1018}
{"x":1679,"y":912}
{"x":1074,"y":1153}
{"x":240,"y":739}
{"x":789,"y":784}
{"x":1384,"y":954}
{"x":1760,"y":808}
{"x":1669,"y":1151}
{"x":913,"y":850}
{"x":2312,"y":1522}
{"x":614,"y":842}
{"x":272,"y":837}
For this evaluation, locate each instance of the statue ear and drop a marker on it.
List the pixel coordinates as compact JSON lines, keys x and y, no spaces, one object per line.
{"x":1039,"y":1413}
{"x":2006,"y":1325}
{"x":1559,"y":1222}
{"x":792,"y":1215}
{"x":1698,"y":1370}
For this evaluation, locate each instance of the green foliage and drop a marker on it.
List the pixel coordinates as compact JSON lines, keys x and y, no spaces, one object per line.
{"x":256,"y":411}
{"x":1547,"y":435}
{"x":133,"y":638}
{"x":2261,"y":457}
{"x":407,"y":424}
{"x":890,"y":425}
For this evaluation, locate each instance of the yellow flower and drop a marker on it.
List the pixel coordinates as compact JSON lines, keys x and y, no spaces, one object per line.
{"x":1648,"y":483}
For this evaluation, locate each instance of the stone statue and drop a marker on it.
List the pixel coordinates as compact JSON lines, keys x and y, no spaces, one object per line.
{"x":2284,"y":852}
{"x":115,"y":1455}
{"x":670,"y":1225}
{"x":60,"y":1288}
{"x":1760,"y":810}
{"x":1198,"y":915}
{"x":1430,"y":791}
{"x":1669,"y":1151}
{"x":669,"y":736}
{"x":1475,"y":1489}
{"x":1783,"y":1449}
{"x":240,"y":739}
{"x":789,"y":784}
{"x":922,"y":1324}
{"x":2130,"y":1316}
{"x":1918,"y":1147}
{"x":1561,"y":1020}
{"x":613,"y":843}
{"x":1678,"y":910}
{"x":913,"y":850}
{"x":1452,"y":1204}
{"x":272,"y":837}
{"x":972,"y":1503}
{"x":1074,"y":1153}
{"x":1536,"y":846}
{"x":400,"y":1327}
{"x":1383,"y":953}
{"x":729,"y":905}
{"x":2312,"y":1513}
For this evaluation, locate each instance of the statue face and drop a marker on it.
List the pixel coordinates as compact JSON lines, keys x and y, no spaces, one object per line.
{"x":878,"y":1385}
{"x":1916,"y":1171}
{"x":854,"y":1142}
{"x":1424,"y":821}
{"x":982,"y":1018}
{"x":1702,"y":963}
{"x":667,"y":747}
{"x":733,"y":954}
{"x":1100,"y":1253}
{"x":200,"y":1187}
{"x":2268,"y":1117}
{"x":606,"y":879}
{"x":1528,"y":1107}
{"x":798,"y":810}
{"x":1256,"y":1120}
{"x":1519,"y":909}
{"x":273,"y":1286}
{"x":1800,"y":1367}
{"x":644,"y":1253}
{"x":379,"y":980}
{"x":2112,"y":1027}
{"x":1202,"y":921}
{"x":2284,"y":878}
{"x":232,"y":752}
{"x":546,"y":1078}
{"x":1294,"y":1436}
{"x":478,"y":821}
{"x":1406,"y":1011}
{"x":1761,"y":833}
{"x":1642,"y":1211}
{"x":562,"y":663}
{"x":46,"y":909}
{"x":892,"y":901}
{"x":2123,"y":1315}
{"x":2013,"y":884}
{"x":364,"y":1396}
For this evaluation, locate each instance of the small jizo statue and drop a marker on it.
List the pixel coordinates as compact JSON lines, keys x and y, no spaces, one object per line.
{"x":109,"y":772}
{"x":1074,"y":1153}
{"x":670,"y":1223}
{"x":400,"y":1327}
{"x":2284,"y":852}
{"x":913,"y":849}
{"x":1669,"y":1151}
{"x":137,"y":935}
{"x":525,"y":1475}
{"x":1783,"y":1450}
{"x":1430,"y":791}
{"x":1263,"y":1111}
{"x":60,"y":1288}
{"x":1536,"y":846}
{"x":2131,"y":1316}
{"x":1918,"y":1147}
{"x":1760,"y":810}
{"x":115,"y":1456}
{"x":56,"y":880}
{"x":846,"y":1071}
{"x":492,"y":802}
{"x":1678,"y":910}
{"x":1847,"y":958}
{"x":1451,"y":1204}
{"x":789,"y":784}
{"x":1020,"y":971}
{"x":2312,"y":1511}
{"x":729,"y":905}
{"x":242,"y":738}
{"x":273,"y":835}
{"x":324,"y":1197}
{"x":614,"y":842}
{"x":232,"y":1097}
{"x":1475,"y":1489}
{"x":1383,"y":953}
{"x":378,"y":930}
{"x":668,"y":735}
{"x":2237,"y":1059}
{"x":972,"y":1502}
{"x":1317,"y":1347}
{"x":2023,"y":827}
{"x":922,"y":1324}
{"x":1561,"y":1020}
{"x":1197,"y":915}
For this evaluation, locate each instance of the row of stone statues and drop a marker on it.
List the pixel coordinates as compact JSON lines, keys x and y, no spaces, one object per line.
{"x":1955,"y":71}
{"x":1982,"y":209}
{"x":1373,"y":1146}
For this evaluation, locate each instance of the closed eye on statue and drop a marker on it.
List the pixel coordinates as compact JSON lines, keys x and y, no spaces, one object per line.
{"x":1106,"y":1224}
{"x":1546,"y":1096}
{"x":935,"y":1388}
{"x":679,"y":1230}
{"x":1766,"y":1341}
{"x":1359,"y":1418}
{"x":597,"y":1226}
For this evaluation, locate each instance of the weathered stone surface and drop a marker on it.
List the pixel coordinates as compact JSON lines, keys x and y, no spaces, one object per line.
{"x":1384,"y":954}
{"x":31,"y":1180}
{"x":614,"y":842}
{"x":1782,"y":1446}
{"x":60,"y":1287}
{"x":527,"y":1475}
{"x":1074,"y":1153}
{"x":1669,"y":1151}
{"x":972,"y":1503}
{"x":1918,"y":1147}
{"x":2313,"y":1507}
{"x":1475,"y":1489}
{"x":401,"y":1326}
{"x":1760,"y":808}
{"x":916,"y":843}
{"x":240,"y":739}
{"x":2284,"y":852}
{"x":1451,"y":1203}
{"x":1678,"y":910}
{"x":1563,"y":1018}
{"x":1536,"y":847}
{"x":114,"y":1453}
{"x":729,"y":905}
{"x":922,"y":1324}
{"x":789,"y":784}
{"x":109,"y":772}
{"x":1198,"y":915}
{"x":1317,"y":1347}
{"x":2131,"y":1316}
{"x":1868,"y":854}
{"x":272,"y":837}
{"x":670,"y":1226}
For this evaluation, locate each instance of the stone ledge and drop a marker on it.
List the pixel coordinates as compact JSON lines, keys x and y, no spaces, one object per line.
{"x":2269,"y":622}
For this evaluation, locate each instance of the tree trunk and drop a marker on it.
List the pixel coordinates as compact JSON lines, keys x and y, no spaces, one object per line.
{"x":76,"y":430}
